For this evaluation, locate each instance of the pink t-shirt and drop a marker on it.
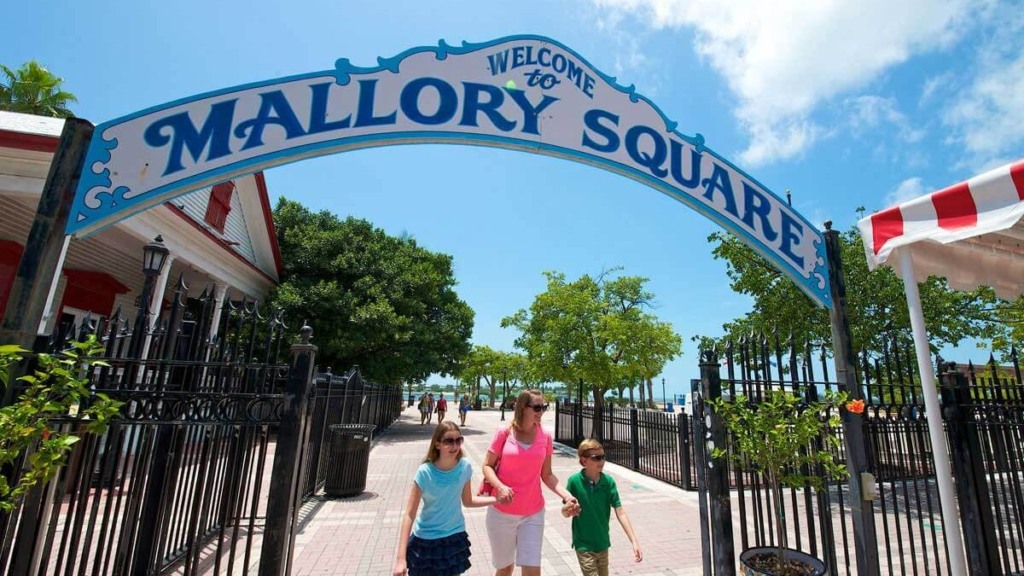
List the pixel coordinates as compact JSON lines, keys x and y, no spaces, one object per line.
{"x":519,"y":468}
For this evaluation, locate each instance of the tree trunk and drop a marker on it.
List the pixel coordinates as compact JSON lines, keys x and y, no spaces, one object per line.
{"x":643,"y":396}
{"x":492,"y":384}
{"x":780,"y":519}
{"x":595,"y":430}
{"x":650,"y":391}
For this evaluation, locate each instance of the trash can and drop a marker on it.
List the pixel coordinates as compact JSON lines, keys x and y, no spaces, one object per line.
{"x":668,"y":407}
{"x":347,"y":459}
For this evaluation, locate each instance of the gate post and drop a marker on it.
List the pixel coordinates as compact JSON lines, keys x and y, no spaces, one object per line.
{"x":861,"y":510}
{"x":634,"y":438}
{"x":969,"y":471}
{"x":683,"y":425}
{"x":275,"y":558}
{"x":717,"y":472}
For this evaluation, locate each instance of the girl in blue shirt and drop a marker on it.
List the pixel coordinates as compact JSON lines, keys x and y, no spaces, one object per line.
{"x":436,"y":543}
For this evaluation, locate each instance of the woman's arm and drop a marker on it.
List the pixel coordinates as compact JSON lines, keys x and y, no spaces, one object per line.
{"x":505,"y":494}
{"x":411,"y":507}
{"x":551,"y":481}
{"x":470,"y":500}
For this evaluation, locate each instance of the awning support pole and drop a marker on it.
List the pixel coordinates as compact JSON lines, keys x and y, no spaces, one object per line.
{"x":943,"y":473}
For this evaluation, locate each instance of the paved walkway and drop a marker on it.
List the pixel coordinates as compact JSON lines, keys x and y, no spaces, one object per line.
{"x":358,"y":536}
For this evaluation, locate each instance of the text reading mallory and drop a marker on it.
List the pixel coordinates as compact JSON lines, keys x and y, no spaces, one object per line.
{"x":223,"y":134}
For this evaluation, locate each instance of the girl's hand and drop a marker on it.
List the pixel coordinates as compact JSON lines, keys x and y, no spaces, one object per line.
{"x":399,"y":568}
{"x":505,"y":494}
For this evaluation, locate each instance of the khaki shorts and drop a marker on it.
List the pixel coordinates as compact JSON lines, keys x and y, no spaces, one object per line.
{"x":593,"y":563}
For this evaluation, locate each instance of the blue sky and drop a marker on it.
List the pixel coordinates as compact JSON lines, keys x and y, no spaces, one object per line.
{"x":846,"y":104}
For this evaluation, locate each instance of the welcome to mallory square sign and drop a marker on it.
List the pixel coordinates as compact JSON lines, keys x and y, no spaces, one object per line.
{"x":526,"y":93}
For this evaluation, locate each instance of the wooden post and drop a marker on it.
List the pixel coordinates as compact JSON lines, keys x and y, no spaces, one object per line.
{"x":717,"y":471}
{"x":861,"y":510}
{"x":275,"y":558}
{"x":969,"y":470}
{"x":27,"y":299}
{"x":683,"y":425}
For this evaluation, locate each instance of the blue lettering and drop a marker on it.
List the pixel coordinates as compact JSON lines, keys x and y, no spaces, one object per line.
{"x":499,"y":62}
{"x":270,"y":102}
{"x":651,"y":161}
{"x":540,"y":57}
{"x":473,"y":106}
{"x":518,"y":57}
{"x":755,"y":203}
{"x":588,"y":86}
{"x":216,"y":132}
{"x":318,"y":111}
{"x":364,"y":113}
{"x":575,"y":74}
{"x":447,"y":105}
{"x":592,"y":120}
{"x":789,"y":238}
{"x":530,"y":112}
{"x":559,"y":63}
{"x":720,"y":180}
{"x":529,"y":56}
{"x":677,"y":166}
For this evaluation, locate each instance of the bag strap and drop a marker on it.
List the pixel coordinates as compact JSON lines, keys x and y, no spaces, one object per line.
{"x":506,"y":431}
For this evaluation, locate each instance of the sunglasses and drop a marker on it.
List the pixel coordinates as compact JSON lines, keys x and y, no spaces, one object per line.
{"x":452,"y":441}
{"x":596,"y":457}
{"x":539,"y":407}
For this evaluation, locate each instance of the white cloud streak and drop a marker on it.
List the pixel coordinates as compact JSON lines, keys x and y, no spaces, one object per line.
{"x":783,"y":59}
{"x":907,"y":190}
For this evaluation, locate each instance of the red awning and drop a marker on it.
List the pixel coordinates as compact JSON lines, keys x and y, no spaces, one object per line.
{"x":971,"y":233}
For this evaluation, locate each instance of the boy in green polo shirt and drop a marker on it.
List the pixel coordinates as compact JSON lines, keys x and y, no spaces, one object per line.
{"x":596,"y":494}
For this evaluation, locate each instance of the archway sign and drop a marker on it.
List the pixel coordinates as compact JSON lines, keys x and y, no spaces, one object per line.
{"x":526,"y":93}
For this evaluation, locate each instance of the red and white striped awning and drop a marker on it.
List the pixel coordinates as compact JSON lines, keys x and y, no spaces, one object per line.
{"x":971,"y":233}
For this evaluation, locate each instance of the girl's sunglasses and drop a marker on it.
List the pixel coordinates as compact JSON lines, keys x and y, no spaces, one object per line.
{"x":452,"y":441}
{"x":539,"y":407}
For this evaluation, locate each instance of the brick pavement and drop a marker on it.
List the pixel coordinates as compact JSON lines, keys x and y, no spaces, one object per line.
{"x":358,"y":536}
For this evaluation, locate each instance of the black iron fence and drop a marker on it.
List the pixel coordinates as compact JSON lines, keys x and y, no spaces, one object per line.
{"x":655,"y":443}
{"x":196,"y":473}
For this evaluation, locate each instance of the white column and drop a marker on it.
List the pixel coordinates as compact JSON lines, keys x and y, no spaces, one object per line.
{"x":219,"y":292}
{"x":51,"y":293}
{"x":156,"y":304}
{"x":943,"y":474}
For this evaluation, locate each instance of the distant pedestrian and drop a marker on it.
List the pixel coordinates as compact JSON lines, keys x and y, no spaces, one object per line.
{"x":430,"y":407}
{"x":424,"y":408}
{"x":434,"y":542}
{"x":442,"y":408}
{"x":597,"y":495}
{"x":463,"y":409}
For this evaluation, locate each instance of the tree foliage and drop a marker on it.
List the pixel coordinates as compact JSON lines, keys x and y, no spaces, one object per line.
{"x":32,"y":89}
{"x":598,"y":329}
{"x":876,"y":303}
{"x":374,"y":300}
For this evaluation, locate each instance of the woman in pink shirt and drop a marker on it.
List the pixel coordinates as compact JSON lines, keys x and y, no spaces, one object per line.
{"x":521,"y":454}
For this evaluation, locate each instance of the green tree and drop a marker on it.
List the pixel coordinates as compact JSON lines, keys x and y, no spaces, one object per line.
{"x":875,"y":300}
{"x":595,"y":329}
{"x":380,"y":302}
{"x":482,"y":363}
{"x":32,"y":89}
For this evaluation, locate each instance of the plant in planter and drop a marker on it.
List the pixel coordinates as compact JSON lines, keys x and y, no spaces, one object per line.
{"x":775,"y":437}
{"x":56,"y":389}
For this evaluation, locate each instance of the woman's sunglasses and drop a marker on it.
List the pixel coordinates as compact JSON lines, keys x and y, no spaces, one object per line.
{"x":452,"y":441}
{"x":539,"y":407}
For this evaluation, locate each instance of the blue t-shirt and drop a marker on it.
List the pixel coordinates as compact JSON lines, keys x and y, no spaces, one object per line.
{"x":441,"y":513}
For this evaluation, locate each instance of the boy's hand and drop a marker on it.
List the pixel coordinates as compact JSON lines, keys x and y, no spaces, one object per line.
{"x":637,"y":553}
{"x":570,"y":509}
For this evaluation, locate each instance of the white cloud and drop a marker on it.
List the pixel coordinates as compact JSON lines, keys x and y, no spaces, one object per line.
{"x":907,"y":190}
{"x":986,"y":117}
{"x":874,"y":112}
{"x":782,"y":59}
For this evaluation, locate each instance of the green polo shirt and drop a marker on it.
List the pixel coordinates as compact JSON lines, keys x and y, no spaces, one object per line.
{"x":590,"y":528}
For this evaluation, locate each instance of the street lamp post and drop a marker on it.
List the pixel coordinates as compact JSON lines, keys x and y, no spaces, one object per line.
{"x":504,"y":393}
{"x":153,"y":256}
{"x":664,"y":398}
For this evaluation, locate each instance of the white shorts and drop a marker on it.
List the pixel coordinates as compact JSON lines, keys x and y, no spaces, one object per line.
{"x":515,"y":539}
